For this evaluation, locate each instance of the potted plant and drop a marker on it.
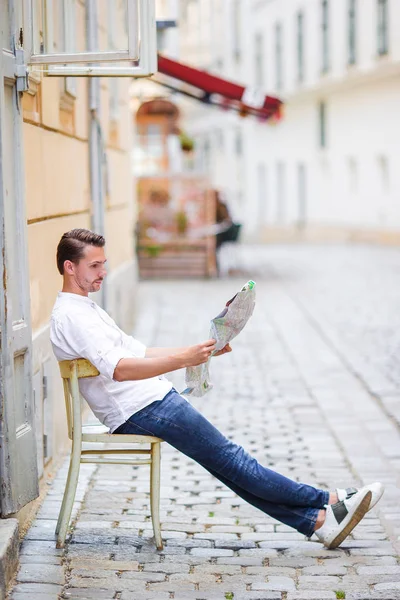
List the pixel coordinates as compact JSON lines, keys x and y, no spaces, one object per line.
{"x":181,"y":222}
{"x":187,"y":143}
{"x":153,"y":250}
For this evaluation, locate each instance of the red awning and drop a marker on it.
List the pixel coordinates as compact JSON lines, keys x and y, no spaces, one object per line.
{"x":246,"y":100}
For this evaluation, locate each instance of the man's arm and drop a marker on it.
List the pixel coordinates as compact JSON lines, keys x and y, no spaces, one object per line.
{"x":163,"y":352}
{"x":133,"y":369}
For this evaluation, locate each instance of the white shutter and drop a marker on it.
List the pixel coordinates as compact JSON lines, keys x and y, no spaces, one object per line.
{"x":138,"y":57}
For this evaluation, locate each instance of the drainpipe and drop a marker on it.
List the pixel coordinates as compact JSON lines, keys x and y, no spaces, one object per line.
{"x":96,"y":145}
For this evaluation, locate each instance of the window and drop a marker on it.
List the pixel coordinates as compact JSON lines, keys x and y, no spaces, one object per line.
{"x":184,"y":10}
{"x":236,"y":29}
{"x":280,"y":192}
{"x":136,"y":44}
{"x":353,"y":175}
{"x":219,"y":64}
{"x":262,"y":194}
{"x":302,"y":195}
{"x":300,"y":47}
{"x":259,"y":60}
{"x":383,"y":166}
{"x":352,"y":32}
{"x":174,"y":151}
{"x":67,"y":34}
{"x":278,"y":57}
{"x":322,"y":124}
{"x":325,"y":35}
{"x":149,"y":151}
{"x":238,"y":143}
{"x":114,"y":99}
{"x":383,"y":23}
{"x":219,"y":139}
{"x":155,"y":140}
{"x":113,"y":86}
{"x":207,"y":155}
{"x":236,"y":45}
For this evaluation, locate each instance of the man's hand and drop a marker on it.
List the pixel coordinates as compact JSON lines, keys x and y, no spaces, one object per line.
{"x":223,"y":350}
{"x":198,"y":354}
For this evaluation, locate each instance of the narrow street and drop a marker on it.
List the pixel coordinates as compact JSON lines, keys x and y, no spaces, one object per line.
{"x":312,"y":389}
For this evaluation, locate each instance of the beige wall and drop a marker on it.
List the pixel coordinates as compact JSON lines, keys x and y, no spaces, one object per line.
{"x":58,"y":182}
{"x":58,"y":198}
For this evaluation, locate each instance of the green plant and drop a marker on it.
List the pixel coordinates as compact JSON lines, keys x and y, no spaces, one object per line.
{"x":340,"y":594}
{"x":229,"y":595}
{"x":187,"y":143}
{"x":181,"y":221}
{"x":153,"y":250}
{"x":211,"y":514}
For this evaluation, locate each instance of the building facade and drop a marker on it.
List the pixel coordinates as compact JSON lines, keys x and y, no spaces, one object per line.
{"x":65,"y":162}
{"x":329,"y":168}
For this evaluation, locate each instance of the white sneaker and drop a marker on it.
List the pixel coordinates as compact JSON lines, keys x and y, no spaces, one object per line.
{"x":376,"y":490}
{"x":342,"y":517}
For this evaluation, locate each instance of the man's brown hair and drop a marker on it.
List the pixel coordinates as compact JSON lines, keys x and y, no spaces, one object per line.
{"x":72,"y":246}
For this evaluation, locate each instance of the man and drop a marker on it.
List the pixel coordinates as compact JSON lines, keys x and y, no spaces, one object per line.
{"x":131,"y":395}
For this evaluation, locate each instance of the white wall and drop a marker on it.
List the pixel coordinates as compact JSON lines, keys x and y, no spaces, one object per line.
{"x":353,"y":183}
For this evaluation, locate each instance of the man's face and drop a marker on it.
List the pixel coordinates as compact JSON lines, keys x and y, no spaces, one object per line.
{"x":89,"y":273}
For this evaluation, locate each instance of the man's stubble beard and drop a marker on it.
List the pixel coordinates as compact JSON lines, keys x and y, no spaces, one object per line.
{"x":96,"y":287}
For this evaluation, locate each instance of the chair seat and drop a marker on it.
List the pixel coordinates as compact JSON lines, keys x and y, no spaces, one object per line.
{"x":100,"y":434}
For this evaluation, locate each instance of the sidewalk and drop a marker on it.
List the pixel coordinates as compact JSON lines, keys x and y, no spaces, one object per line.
{"x":312,"y":389}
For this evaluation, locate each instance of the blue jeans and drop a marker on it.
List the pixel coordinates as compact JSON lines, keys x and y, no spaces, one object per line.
{"x":176,"y":421}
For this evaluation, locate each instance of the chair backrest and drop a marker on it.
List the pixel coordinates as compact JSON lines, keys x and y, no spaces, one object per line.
{"x":71,"y":371}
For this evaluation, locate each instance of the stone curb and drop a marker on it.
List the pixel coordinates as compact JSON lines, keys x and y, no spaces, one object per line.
{"x":9,"y":551}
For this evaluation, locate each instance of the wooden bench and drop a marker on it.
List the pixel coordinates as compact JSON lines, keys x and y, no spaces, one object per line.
{"x":177,"y":258}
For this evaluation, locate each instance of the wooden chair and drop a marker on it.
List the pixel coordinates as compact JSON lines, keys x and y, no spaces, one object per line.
{"x":71,"y":372}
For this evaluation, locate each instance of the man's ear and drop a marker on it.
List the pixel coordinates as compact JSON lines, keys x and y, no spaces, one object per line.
{"x":68,"y":267}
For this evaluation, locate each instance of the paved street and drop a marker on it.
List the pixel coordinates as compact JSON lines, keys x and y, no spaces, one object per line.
{"x":312,"y":389}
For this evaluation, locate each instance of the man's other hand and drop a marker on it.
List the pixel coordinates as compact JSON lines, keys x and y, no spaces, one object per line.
{"x":223,"y":350}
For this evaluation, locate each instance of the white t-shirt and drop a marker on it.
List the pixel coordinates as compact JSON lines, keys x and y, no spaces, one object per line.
{"x":81,"y":329}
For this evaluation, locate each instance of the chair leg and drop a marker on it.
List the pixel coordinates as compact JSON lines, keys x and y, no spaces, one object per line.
{"x":155,"y":493}
{"x":68,"y":499}
{"x":62,"y":509}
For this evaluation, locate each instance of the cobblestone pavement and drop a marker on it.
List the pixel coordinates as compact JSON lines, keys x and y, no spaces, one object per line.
{"x":312,"y":389}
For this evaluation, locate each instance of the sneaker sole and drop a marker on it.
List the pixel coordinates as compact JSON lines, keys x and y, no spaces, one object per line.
{"x":362,"y":509}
